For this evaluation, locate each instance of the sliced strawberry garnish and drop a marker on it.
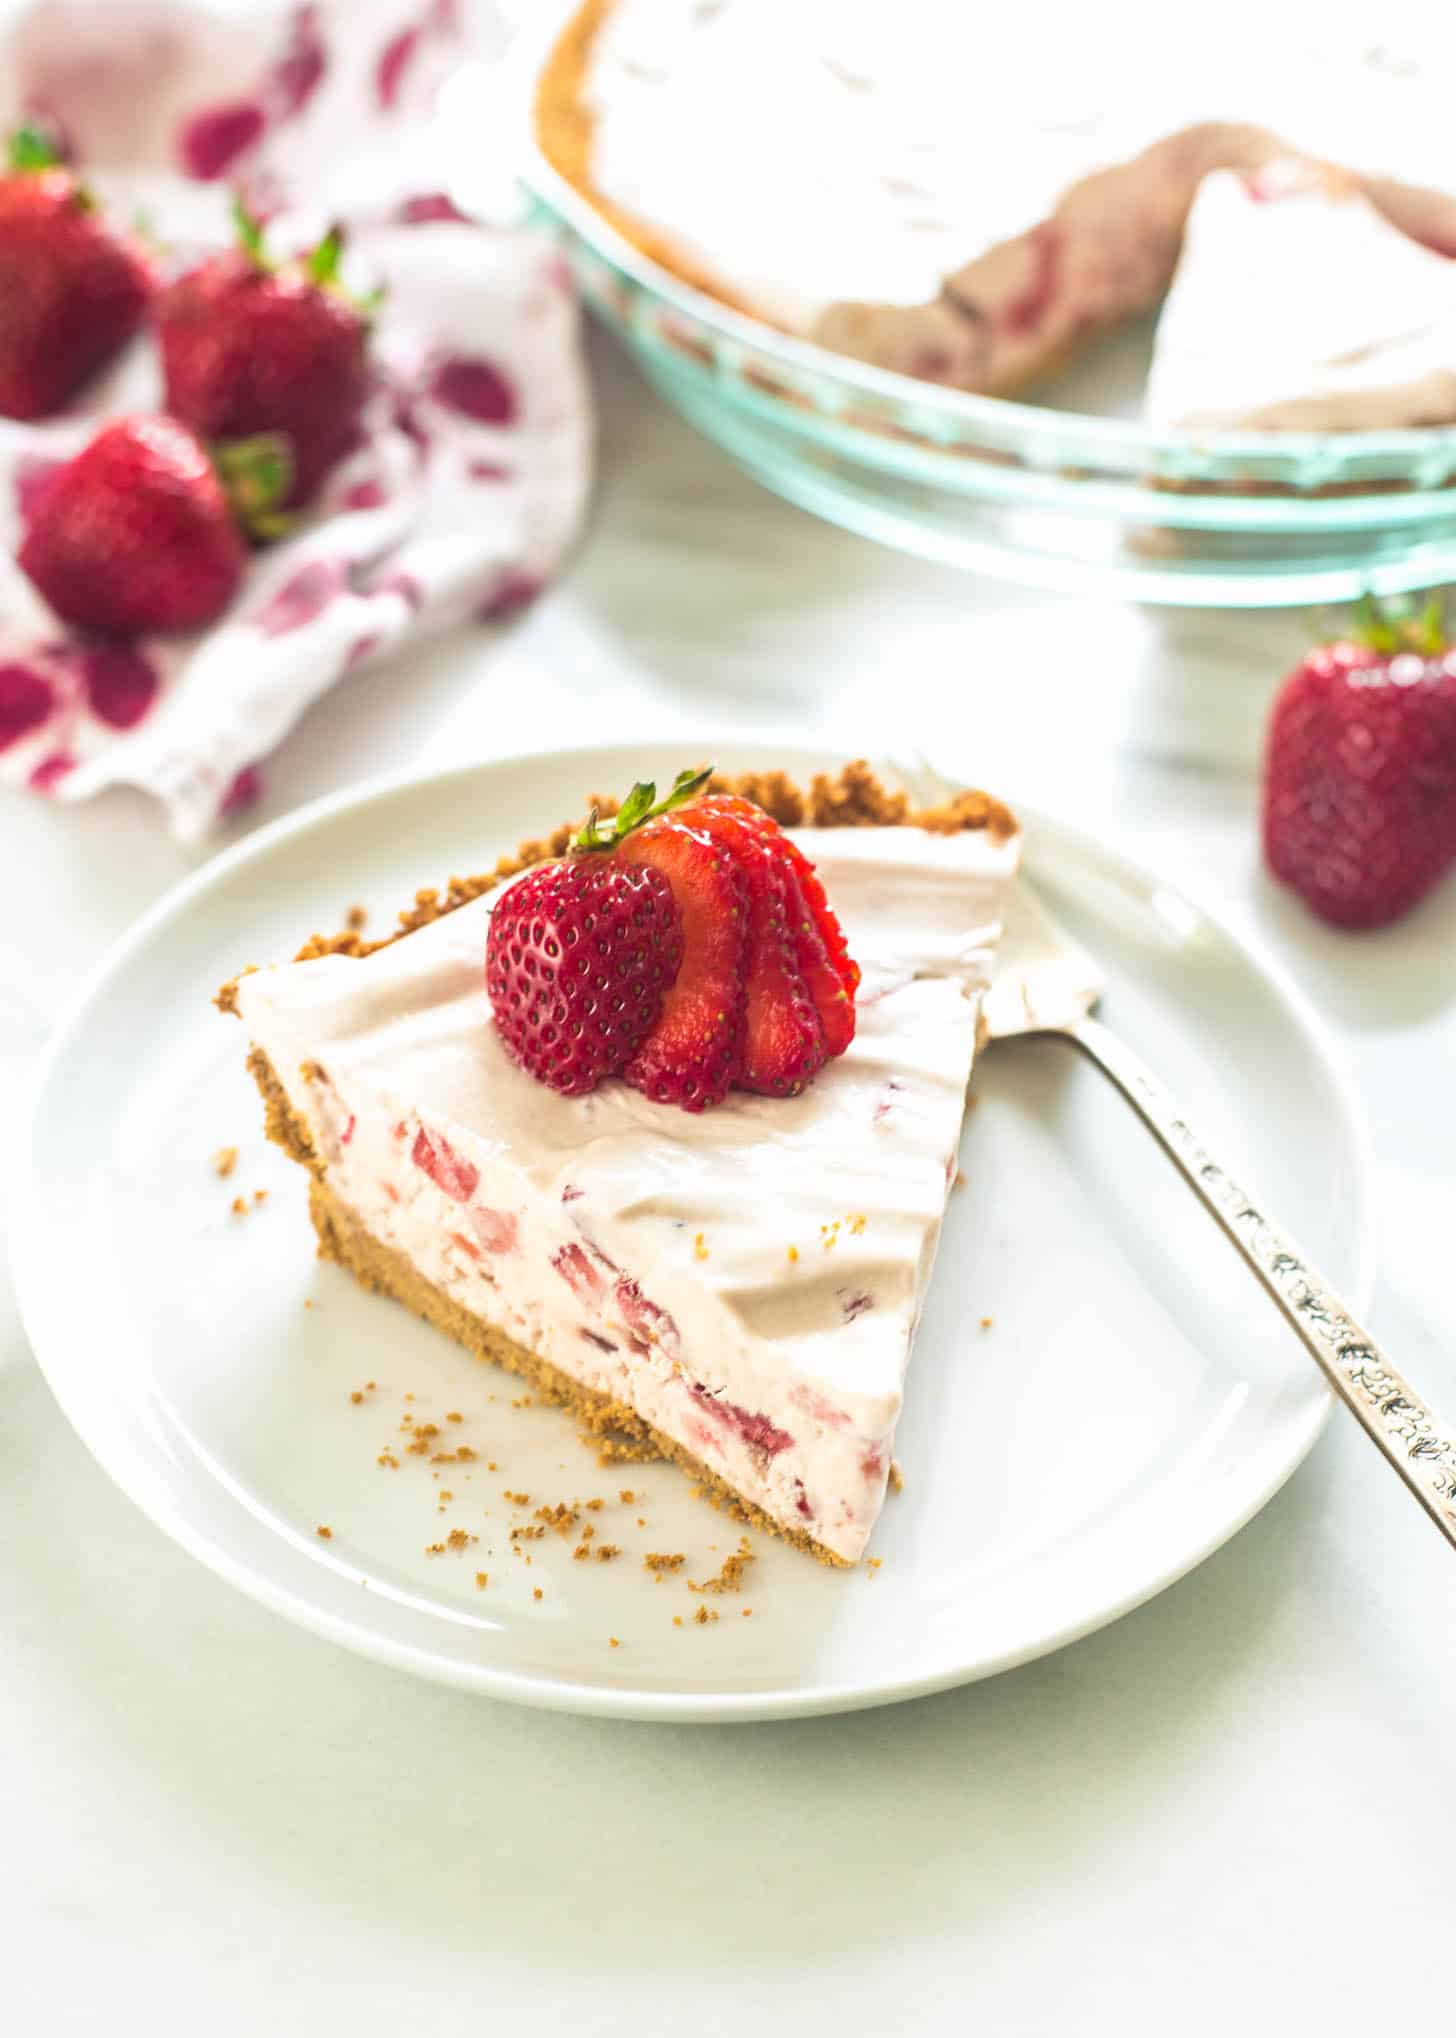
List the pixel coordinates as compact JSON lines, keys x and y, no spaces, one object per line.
{"x":783,"y":1041}
{"x":829,"y":971}
{"x":691,"y":1056}
{"x":684,"y":944}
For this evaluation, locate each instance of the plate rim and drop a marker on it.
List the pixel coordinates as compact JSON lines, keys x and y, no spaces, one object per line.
{"x":565,"y":1695}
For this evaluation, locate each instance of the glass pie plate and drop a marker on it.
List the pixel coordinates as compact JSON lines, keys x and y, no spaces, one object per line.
{"x":1059,"y":498}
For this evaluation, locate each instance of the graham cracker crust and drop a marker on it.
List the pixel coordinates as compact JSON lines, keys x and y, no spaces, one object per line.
{"x":852,"y":798}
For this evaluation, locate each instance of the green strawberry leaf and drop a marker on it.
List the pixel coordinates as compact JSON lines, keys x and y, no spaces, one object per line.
{"x":323,"y":262}
{"x":256,"y":475}
{"x":1391,"y":627}
{"x":641,"y":804}
{"x":31,"y":148}
{"x":250,"y":231}
{"x":323,"y":266}
{"x":635,"y":808}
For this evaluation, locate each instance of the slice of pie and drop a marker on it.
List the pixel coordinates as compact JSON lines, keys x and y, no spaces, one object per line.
{"x":735,"y":1287}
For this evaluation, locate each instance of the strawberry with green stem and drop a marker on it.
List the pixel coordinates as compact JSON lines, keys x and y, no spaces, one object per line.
{"x":251,"y":345}
{"x":1359,"y":791}
{"x":140,"y":533}
{"x":73,"y":287}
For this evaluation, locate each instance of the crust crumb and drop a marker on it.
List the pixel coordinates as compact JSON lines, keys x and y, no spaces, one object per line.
{"x":703,"y":1615}
{"x":224,"y":1161}
{"x":356,"y":917}
{"x":729,"y":1577}
{"x":239,"y":1206}
{"x":482,"y":1579}
{"x":897,"y":1477}
{"x":324,"y":1531}
{"x":535,"y":1592}
{"x":660,"y":1561}
{"x":626,"y":1496}
{"x":986,"y":1322}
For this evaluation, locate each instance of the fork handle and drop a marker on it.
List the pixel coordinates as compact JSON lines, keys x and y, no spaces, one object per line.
{"x":1392,"y":1414}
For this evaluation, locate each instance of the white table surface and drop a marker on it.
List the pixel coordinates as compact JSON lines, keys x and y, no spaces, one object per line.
{"x":1234,"y":1806}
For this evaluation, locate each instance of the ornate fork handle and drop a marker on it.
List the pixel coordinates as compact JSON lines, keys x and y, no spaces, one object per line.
{"x":1393,"y":1415}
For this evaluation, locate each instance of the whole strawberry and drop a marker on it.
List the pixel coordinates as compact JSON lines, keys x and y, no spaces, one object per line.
{"x":579,"y":958}
{"x":73,"y":289}
{"x":251,"y":346}
{"x":1359,"y":802}
{"x":137,"y":533}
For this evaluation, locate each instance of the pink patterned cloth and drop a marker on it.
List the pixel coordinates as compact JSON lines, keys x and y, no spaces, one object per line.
{"x":475,"y":463}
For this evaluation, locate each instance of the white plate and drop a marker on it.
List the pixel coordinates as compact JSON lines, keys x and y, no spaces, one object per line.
{"x":1134,"y":1400}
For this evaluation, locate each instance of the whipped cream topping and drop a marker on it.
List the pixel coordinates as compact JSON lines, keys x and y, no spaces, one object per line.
{"x":1297,"y":305}
{"x":835,"y":149}
{"x":748,"y":1279}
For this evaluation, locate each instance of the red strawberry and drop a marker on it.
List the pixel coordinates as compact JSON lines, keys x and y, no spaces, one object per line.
{"x":136,"y":533}
{"x":579,"y":959}
{"x":783,"y":1040}
{"x":251,"y":347}
{"x":447,"y":1169}
{"x":828,"y":969}
{"x":692,"y":1055}
{"x":73,"y":289}
{"x":1359,"y":808}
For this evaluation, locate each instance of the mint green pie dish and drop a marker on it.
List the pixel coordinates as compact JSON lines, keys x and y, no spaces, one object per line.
{"x":1074,"y":501}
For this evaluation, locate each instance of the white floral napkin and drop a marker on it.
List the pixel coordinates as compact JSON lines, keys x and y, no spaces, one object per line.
{"x":474,"y":466}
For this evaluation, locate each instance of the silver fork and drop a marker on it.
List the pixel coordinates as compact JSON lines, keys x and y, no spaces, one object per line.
{"x":1045,"y":983}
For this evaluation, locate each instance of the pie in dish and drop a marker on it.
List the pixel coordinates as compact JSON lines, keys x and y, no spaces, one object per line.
{"x":887,"y":200}
{"x":734,"y":1287}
